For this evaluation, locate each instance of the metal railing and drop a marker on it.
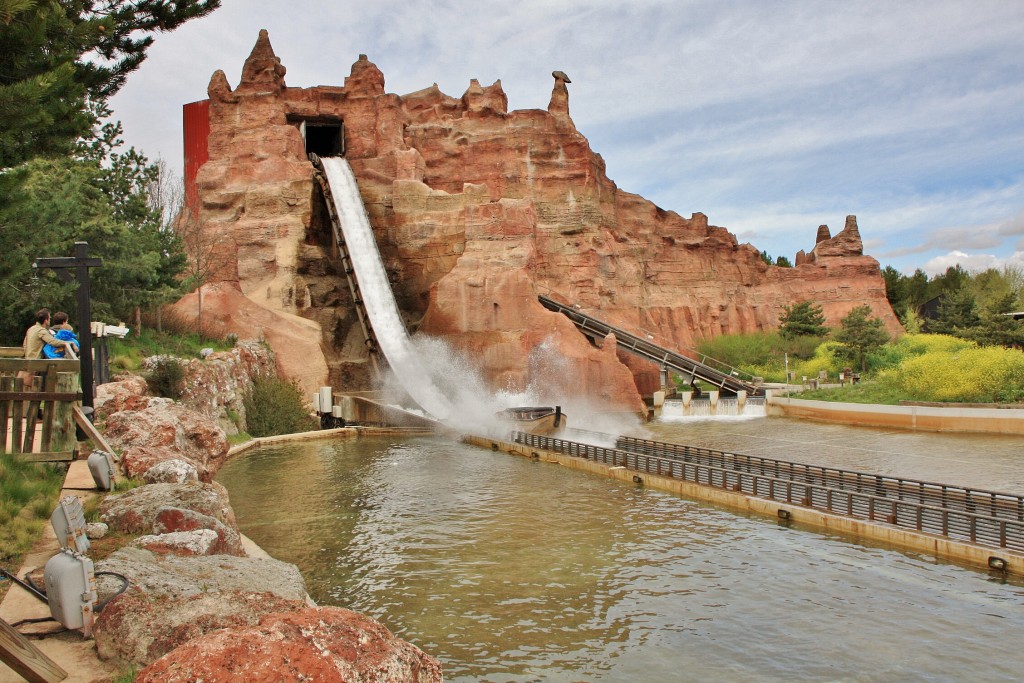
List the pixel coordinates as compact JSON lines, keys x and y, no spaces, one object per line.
{"x":706,"y":369}
{"x":979,"y":501}
{"x":956,"y":524}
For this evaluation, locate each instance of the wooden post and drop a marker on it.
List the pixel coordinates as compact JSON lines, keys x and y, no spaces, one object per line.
{"x":17,"y":418}
{"x":94,"y":435}
{"x":49,"y":385}
{"x":63,"y":437}
{"x":28,"y":661}
{"x":6,"y":384}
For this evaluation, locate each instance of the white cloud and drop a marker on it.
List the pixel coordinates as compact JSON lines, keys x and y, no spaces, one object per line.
{"x":972,"y":262}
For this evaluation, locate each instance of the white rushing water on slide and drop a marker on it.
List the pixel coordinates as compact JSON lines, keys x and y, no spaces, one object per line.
{"x":377,"y":296}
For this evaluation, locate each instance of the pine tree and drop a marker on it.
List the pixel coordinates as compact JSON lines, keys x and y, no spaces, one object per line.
{"x":860,"y":334}
{"x":957,"y":314}
{"x":803,"y":319}
{"x":996,"y":328}
{"x":49,"y":87}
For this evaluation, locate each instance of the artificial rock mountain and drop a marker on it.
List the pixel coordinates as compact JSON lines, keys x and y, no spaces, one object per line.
{"x":476,"y":211}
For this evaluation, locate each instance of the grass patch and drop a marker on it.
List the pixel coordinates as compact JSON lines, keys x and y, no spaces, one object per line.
{"x":126,"y":355}
{"x":126,"y":676}
{"x":239,"y":438}
{"x":881,"y":391}
{"x":28,"y":495}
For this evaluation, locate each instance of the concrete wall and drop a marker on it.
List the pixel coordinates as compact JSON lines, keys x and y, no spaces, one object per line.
{"x":923,"y":418}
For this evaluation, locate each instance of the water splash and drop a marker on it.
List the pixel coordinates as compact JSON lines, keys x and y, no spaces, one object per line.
{"x":443,"y":382}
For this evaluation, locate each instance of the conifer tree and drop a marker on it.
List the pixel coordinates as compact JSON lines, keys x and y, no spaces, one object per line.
{"x":803,"y":319}
{"x":860,"y":334}
{"x":957,"y":314}
{"x":61,"y":58}
{"x":996,"y":327}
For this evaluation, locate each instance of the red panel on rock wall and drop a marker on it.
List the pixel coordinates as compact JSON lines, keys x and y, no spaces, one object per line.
{"x":196,"y":120}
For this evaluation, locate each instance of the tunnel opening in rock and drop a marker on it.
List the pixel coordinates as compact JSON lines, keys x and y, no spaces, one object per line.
{"x":325,"y":138}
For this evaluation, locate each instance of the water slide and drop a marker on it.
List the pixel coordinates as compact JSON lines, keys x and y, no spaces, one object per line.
{"x":706,"y":369}
{"x":375,"y":302}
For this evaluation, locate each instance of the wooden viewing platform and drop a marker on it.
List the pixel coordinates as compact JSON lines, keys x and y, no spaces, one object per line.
{"x":38,"y":421}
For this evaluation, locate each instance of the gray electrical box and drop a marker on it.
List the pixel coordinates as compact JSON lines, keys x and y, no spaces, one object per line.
{"x":102,"y":468}
{"x":68,"y":521}
{"x":71,"y":590}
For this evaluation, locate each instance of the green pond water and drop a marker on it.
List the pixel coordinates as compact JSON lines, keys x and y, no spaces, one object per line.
{"x":512,"y":570}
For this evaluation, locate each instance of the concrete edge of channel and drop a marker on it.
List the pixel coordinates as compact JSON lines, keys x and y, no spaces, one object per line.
{"x":976,"y":556}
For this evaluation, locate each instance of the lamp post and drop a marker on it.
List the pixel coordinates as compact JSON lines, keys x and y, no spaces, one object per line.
{"x":69,"y":268}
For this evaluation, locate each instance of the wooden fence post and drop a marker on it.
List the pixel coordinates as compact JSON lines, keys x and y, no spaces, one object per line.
{"x":64,"y":433}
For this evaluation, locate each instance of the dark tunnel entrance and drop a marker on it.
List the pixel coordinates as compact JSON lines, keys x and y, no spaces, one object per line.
{"x":323,"y":138}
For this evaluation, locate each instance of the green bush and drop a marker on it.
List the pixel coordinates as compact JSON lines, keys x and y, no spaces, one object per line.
{"x":739,"y":350}
{"x":275,"y":406}
{"x":894,"y":353}
{"x":762,"y":351}
{"x":166,"y":377}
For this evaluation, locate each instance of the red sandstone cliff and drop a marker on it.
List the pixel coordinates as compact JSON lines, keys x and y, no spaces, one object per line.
{"x":477,"y":210}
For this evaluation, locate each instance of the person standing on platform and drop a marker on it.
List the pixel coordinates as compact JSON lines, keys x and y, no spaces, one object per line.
{"x":36,"y":338}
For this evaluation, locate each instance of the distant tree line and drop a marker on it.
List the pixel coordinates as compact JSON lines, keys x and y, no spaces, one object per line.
{"x":960,"y":303}
{"x":63,"y":175}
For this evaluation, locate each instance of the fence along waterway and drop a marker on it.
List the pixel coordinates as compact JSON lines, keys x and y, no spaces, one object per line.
{"x":973,"y":516}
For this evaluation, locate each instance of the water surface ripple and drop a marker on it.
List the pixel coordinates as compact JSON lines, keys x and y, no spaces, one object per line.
{"x":513,"y":570}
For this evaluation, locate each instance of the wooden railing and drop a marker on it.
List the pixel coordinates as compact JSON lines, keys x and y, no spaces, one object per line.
{"x":38,"y":421}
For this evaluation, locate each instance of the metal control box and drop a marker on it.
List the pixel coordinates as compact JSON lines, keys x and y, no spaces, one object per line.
{"x":102,"y":468}
{"x":71,"y":590}
{"x":68,"y":521}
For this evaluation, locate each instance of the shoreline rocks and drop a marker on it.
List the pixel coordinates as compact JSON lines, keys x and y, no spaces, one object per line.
{"x":184,"y":600}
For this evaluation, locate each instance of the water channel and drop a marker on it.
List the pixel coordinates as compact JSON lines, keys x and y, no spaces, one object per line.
{"x":509,"y":570}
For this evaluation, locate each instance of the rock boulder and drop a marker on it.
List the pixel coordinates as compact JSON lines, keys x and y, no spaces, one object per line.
{"x":136,"y":629}
{"x":136,"y":511}
{"x":330,"y":644}
{"x":175,"y":520}
{"x":164,"y":424}
{"x":175,"y":577}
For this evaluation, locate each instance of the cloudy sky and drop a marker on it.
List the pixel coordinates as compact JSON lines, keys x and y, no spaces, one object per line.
{"x":770,"y":117}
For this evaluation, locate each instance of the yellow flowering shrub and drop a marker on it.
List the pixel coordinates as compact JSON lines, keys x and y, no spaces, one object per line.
{"x":970,"y":374}
{"x":918,"y":344}
{"x":824,"y":358}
